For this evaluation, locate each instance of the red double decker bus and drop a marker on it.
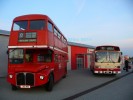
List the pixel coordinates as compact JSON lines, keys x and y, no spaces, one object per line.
{"x":37,"y":52}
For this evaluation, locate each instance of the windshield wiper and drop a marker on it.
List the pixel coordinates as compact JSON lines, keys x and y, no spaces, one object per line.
{"x":103,"y":60}
{"x":11,"y":51}
{"x":111,"y":60}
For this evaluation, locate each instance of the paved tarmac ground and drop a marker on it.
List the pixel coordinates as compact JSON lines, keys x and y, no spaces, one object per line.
{"x":121,"y":89}
{"x":75,"y":82}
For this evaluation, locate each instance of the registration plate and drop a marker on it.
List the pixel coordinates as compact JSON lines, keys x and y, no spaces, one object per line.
{"x":25,"y":86}
{"x":108,"y":72}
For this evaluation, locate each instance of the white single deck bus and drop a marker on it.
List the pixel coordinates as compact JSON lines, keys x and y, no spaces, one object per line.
{"x":106,"y":60}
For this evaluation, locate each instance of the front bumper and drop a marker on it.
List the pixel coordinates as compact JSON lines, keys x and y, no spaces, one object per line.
{"x":27,"y":79}
{"x":107,"y":71}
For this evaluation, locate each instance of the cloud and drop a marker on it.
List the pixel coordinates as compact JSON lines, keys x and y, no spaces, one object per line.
{"x":125,"y":43}
{"x":79,"y":5}
{"x":80,"y":38}
{"x":125,"y":46}
{"x":4,"y":26}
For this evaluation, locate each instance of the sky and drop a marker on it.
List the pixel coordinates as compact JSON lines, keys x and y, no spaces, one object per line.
{"x":92,"y":22}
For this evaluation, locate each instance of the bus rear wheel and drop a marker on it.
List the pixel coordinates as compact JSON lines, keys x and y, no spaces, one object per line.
{"x":14,"y":87}
{"x":49,"y":85}
{"x":64,"y":76}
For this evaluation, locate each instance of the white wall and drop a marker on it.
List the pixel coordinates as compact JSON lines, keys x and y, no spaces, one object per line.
{"x":3,"y":55}
{"x":69,"y":58}
{"x":89,"y":51}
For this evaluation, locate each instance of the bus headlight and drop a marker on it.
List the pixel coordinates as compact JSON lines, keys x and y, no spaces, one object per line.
{"x":10,"y":76}
{"x":41,"y":77}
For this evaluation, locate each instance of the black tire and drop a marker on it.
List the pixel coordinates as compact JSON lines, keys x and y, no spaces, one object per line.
{"x":14,"y":87}
{"x":49,"y":85}
{"x":64,"y":76}
{"x":91,"y":69}
{"x":65,"y":73}
{"x":114,"y":74}
{"x":124,"y":68}
{"x":94,"y":72}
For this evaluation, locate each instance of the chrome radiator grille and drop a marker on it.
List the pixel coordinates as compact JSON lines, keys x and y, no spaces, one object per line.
{"x":25,"y":79}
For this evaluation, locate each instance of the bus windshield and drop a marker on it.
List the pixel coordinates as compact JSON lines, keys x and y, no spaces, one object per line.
{"x":34,"y":25}
{"x":37,"y":25}
{"x":107,"y":57}
{"x":16,"y":56}
{"x":20,"y":25}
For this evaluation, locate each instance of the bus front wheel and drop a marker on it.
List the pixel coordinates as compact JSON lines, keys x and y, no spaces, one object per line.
{"x":14,"y":87}
{"x":49,"y":85}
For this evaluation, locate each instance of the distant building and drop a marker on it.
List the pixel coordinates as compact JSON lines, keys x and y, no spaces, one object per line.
{"x":4,"y":37}
{"x":78,"y":54}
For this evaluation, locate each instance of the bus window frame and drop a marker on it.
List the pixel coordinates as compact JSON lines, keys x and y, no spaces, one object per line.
{"x":44,"y":27}
{"x":55,"y":31}
{"x":19,"y":29}
{"x":23,"y":58}
{"x":50,"y":23}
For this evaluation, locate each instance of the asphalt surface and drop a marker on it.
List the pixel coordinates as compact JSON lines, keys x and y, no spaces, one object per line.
{"x":119,"y":90}
{"x":75,"y":82}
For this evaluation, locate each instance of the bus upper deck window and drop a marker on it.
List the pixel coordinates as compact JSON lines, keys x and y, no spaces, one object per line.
{"x":37,"y":25}
{"x":20,"y":25}
{"x":50,"y":27}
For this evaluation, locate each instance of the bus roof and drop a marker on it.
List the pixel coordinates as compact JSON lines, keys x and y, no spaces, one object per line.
{"x":31,"y":17}
{"x":35,"y":16}
{"x":108,"y":47}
